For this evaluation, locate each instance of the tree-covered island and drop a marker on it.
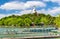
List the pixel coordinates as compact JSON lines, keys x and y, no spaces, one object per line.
{"x":28,"y":20}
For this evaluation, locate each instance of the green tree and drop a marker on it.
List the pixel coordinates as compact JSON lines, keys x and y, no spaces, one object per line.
{"x":57,"y":21}
{"x":44,"y":20}
{"x":27,"y":22}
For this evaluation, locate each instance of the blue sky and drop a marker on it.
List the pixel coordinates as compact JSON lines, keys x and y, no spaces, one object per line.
{"x":20,"y":7}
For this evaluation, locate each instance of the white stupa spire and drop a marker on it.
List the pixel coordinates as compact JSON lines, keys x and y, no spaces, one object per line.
{"x":34,"y":9}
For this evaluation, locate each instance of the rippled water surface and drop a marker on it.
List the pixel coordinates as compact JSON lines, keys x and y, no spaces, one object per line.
{"x":17,"y":32}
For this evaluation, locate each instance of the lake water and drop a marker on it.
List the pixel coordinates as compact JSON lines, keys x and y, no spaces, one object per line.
{"x":24,"y":32}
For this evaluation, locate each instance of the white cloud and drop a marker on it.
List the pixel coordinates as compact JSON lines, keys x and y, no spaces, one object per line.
{"x":34,"y":3}
{"x":12,"y":5}
{"x":53,"y":12}
{"x":22,"y":5}
{"x":2,"y":15}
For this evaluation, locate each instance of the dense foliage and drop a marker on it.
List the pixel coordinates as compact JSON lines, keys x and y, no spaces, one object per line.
{"x":27,"y":19}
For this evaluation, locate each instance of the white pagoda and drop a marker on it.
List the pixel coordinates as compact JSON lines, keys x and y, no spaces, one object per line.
{"x":34,"y":11}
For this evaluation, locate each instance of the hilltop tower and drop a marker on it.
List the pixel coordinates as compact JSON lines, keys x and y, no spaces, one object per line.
{"x":34,"y":11}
